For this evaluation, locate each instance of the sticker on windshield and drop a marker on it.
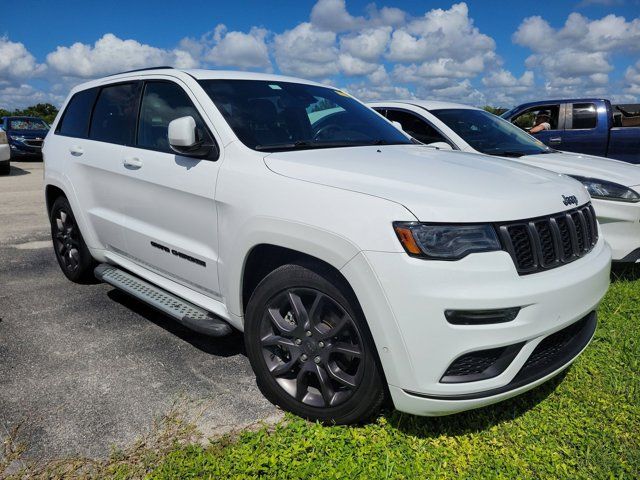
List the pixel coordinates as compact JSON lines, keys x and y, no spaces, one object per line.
{"x":275,"y":87}
{"x":344,"y":94}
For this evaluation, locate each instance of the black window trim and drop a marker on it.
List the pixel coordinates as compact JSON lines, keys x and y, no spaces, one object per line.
{"x":93,"y":109}
{"x":406,"y":110}
{"x":214,"y":156}
{"x":64,"y":113}
{"x":572,"y":106}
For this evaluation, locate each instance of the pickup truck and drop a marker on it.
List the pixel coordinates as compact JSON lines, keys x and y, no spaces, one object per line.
{"x":587,"y":125}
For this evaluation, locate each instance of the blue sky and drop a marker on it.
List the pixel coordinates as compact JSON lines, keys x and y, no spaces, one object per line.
{"x":476,"y":52}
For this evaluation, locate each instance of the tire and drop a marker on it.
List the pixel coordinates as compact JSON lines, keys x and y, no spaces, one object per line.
{"x":71,"y":251}
{"x":328,"y":371}
{"x":5,"y":168}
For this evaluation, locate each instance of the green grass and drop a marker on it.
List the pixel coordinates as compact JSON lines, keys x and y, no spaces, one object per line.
{"x":584,"y":424}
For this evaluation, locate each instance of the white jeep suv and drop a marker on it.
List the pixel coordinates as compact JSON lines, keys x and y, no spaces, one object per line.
{"x":358,"y":264}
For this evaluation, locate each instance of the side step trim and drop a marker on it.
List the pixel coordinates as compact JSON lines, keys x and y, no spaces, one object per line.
{"x":188,"y":314}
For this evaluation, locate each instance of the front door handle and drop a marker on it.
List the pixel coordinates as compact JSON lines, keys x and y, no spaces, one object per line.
{"x":555,"y":140}
{"x":76,"y":150}
{"x":132,"y":162}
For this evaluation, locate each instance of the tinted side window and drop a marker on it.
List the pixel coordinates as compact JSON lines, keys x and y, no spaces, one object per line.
{"x":163,"y":102}
{"x":584,"y":115}
{"x":75,"y":120}
{"x":114,"y":116}
{"x":415,"y":126}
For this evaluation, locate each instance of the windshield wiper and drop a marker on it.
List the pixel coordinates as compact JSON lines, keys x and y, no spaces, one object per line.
{"x":508,"y":153}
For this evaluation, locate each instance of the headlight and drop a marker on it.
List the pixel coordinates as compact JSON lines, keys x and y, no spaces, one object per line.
{"x":18,"y":138}
{"x":608,"y":190}
{"x":446,"y":242}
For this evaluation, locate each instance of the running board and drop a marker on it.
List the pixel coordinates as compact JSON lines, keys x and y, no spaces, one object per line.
{"x":189,"y":315}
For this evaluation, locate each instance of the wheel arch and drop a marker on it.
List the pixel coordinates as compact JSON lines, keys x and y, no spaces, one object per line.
{"x":264,"y":258}
{"x":51,"y":193}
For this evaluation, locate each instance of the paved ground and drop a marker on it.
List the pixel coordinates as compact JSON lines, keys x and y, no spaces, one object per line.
{"x":86,"y":368}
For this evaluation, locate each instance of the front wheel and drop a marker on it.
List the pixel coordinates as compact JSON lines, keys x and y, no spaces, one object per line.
{"x":310,"y":348}
{"x":71,"y":252}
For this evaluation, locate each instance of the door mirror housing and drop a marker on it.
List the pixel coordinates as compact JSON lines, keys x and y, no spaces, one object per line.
{"x":186,"y":139}
{"x":440,"y":145}
{"x":398,"y":125}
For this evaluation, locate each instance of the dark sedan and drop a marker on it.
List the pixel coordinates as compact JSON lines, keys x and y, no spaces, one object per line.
{"x":25,"y":135}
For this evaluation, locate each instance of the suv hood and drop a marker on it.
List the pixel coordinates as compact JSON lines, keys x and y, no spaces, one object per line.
{"x":436,"y":186}
{"x":586,"y":166}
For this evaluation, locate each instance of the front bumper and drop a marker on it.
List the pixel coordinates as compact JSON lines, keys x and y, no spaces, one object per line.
{"x":5,"y":153}
{"x":25,"y":148}
{"x":418,"y":292}
{"x":620,"y":226}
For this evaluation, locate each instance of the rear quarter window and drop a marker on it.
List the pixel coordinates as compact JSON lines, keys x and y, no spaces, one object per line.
{"x":584,"y":116}
{"x":75,"y":119}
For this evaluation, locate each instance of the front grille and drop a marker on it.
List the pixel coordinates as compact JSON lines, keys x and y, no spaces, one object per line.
{"x":548,"y":242}
{"x":33,"y":143}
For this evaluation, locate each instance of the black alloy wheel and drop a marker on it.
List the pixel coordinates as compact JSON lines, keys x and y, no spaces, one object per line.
{"x":310,"y":347}
{"x":71,"y":251}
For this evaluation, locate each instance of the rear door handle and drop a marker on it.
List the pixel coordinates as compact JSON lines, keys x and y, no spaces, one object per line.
{"x":132,"y":162}
{"x":76,"y":150}
{"x":555,"y":140}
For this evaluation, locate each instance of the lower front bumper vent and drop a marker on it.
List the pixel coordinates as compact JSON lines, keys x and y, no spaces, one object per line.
{"x":481,"y":364}
{"x":552,"y":353}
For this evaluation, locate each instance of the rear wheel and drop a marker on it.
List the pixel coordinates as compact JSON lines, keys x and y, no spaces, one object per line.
{"x":5,"y":168}
{"x":71,"y":252}
{"x":310,"y":347}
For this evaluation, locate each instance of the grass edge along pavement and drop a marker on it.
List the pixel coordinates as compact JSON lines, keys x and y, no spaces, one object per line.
{"x":583,"y":424}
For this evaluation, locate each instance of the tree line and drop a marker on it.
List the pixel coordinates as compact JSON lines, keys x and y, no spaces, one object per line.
{"x":45,"y":111}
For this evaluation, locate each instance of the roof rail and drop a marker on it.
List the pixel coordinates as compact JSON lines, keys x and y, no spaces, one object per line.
{"x":162,"y":67}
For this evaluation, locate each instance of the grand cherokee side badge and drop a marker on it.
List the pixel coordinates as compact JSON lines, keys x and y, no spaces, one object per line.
{"x":569,"y":200}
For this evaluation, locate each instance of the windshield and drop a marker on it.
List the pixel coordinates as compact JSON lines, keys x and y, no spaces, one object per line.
{"x":276,"y":116}
{"x":490,"y":134}
{"x":27,"y":124}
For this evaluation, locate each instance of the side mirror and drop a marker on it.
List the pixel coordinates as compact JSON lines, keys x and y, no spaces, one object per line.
{"x":184,"y":138}
{"x":440,"y":145}
{"x":398,"y":125}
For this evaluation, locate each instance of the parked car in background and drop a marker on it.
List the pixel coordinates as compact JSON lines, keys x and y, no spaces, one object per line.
{"x":357,"y":263}
{"x":5,"y":153}
{"x":25,"y":135}
{"x":614,"y":185}
{"x":587,"y":125}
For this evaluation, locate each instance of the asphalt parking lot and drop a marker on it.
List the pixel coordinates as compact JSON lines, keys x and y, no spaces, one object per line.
{"x":84,"y":369}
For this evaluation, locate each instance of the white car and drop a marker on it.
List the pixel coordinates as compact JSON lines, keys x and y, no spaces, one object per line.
{"x":357,"y":263}
{"x":614,"y":185}
{"x":5,"y":153}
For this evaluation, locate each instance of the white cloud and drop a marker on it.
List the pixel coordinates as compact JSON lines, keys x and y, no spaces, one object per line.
{"x":16,"y":62}
{"x":503,"y":88}
{"x":16,"y":96}
{"x":238,"y":49}
{"x":350,"y":65}
{"x":577,"y":57}
{"x":632,"y":78}
{"x":462,"y":92}
{"x":306,"y":51}
{"x":111,"y":54}
{"x":368,"y":44}
{"x":332,"y":15}
{"x":439,"y":34}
